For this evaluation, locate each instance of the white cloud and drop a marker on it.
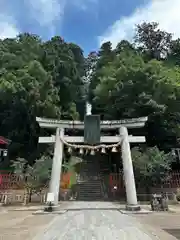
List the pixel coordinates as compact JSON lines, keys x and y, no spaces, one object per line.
{"x":8,"y":27}
{"x":84,"y":5}
{"x":47,"y":12}
{"x":165,"y":12}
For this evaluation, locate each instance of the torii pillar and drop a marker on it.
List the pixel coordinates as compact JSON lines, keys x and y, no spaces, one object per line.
{"x":130,"y":186}
{"x":57,"y":165}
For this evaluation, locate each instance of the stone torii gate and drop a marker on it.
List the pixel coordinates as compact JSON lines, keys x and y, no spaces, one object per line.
{"x":123,"y":138}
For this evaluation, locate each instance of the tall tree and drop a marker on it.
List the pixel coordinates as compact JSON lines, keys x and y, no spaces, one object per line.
{"x":33,"y":178}
{"x":36,"y":79}
{"x":151,"y":166}
{"x":174,"y":53}
{"x":154,"y":42}
{"x":131,"y":87}
{"x":106,"y":54}
{"x":124,"y":46}
{"x":59,"y":60}
{"x":89,"y":72}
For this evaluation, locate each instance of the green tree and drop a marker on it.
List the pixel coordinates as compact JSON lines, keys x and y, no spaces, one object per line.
{"x":36,"y":79}
{"x":34,"y":178}
{"x":124,"y":46}
{"x":60,"y":60}
{"x":53,"y":79}
{"x":130,"y":87}
{"x":174,"y":53}
{"x":151,"y":166}
{"x":25,"y":94}
{"x":154,"y":42}
{"x":106,"y":54}
{"x":89,"y":72}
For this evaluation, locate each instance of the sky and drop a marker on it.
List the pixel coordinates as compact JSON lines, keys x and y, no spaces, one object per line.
{"x":87,"y":23}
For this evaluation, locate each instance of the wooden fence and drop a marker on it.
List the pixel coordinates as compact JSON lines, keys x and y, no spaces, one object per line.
{"x":14,"y":181}
{"x":10,"y":181}
{"x":173,"y":181}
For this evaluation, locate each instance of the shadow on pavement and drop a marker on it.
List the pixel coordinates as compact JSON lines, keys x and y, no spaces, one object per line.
{"x":173,"y":232}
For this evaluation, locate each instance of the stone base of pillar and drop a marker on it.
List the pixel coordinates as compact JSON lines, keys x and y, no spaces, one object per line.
{"x":133,"y":208}
{"x":51,"y":207}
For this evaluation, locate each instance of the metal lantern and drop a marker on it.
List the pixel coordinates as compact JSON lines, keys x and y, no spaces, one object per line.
{"x":103,"y":150}
{"x":81,"y":151}
{"x":5,"y":152}
{"x":69,"y":150}
{"x":114,"y":149}
{"x":92,"y":152}
{"x":173,"y":152}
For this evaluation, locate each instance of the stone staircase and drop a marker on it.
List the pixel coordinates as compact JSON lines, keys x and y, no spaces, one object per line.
{"x":105,"y":169}
{"x":90,"y":186}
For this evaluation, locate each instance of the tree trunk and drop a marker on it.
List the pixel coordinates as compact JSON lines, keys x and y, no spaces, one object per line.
{"x":25,"y":196}
{"x":30,"y":195}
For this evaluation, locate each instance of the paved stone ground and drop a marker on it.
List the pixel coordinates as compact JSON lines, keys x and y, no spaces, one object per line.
{"x":21,"y":225}
{"x":166,"y":221}
{"x":82,"y":221}
{"x":98,"y":221}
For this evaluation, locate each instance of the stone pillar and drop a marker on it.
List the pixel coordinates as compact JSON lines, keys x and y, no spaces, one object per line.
{"x":131,"y":195}
{"x":56,"y":165}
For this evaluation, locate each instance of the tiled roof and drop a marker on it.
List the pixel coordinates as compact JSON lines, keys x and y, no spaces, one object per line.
{"x":4,"y":140}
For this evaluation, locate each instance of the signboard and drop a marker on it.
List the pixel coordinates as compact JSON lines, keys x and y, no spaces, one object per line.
{"x":92,"y":129}
{"x":50,"y":197}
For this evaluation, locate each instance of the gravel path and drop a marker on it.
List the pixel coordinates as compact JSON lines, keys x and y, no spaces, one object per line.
{"x":97,"y":221}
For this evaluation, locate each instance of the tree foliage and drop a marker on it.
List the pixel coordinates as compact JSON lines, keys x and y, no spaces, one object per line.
{"x":34,"y":178}
{"x":53,"y":79}
{"x":141,"y":79}
{"x":151,"y":166}
{"x":154,"y":42}
{"x":36,"y":79}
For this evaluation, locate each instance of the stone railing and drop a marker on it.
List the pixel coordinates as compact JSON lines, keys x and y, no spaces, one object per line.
{"x":19,"y":196}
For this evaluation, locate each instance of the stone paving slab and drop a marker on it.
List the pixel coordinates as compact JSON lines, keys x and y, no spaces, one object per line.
{"x":142,"y":211}
{"x":95,"y":221}
{"x":166,"y":221}
{"x":85,"y":221}
{"x":61,"y":205}
{"x":21,"y":225}
{"x":42,"y":212}
{"x":84,"y":205}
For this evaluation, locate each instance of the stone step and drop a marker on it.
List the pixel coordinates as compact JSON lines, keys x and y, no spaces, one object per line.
{"x":90,"y":190}
{"x":90,"y":183}
{"x":89,"y":186}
